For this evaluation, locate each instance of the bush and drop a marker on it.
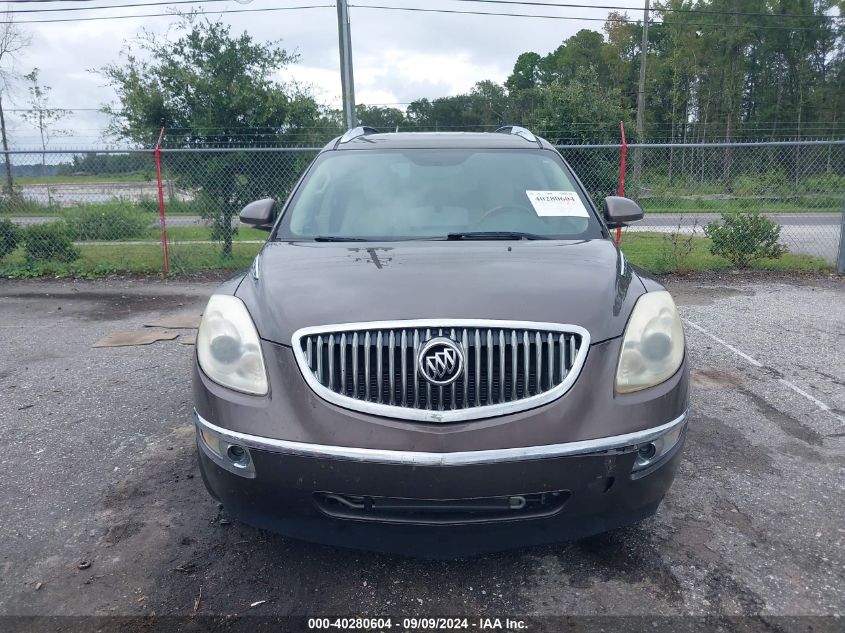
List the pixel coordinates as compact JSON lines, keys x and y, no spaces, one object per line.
{"x":115,"y":221}
{"x":676,"y":248}
{"x":50,"y":241}
{"x":822,"y":183}
{"x":773,"y":183}
{"x":10,"y":235}
{"x":743,"y":237}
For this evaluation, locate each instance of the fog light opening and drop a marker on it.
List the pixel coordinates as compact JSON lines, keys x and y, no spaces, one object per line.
{"x":655,"y":451}
{"x":238,"y":455}
{"x":647,"y":452}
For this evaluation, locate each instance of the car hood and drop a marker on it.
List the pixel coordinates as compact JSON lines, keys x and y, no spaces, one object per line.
{"x":299,"y":284}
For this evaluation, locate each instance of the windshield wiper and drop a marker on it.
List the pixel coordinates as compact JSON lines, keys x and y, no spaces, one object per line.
{"x":493,"y":235}
{"x":339,"y":238}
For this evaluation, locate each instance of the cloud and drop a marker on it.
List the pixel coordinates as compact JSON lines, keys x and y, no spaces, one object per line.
{"x":398,"y":56}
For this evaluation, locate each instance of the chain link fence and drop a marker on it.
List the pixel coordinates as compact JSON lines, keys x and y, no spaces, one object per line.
{"x":95,"y":212}
{"x":683,"y":188}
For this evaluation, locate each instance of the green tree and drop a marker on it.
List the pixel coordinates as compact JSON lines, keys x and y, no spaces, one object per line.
{"x":381,"y":118}
{"x":585,"y":48}
{"x":526,"y":72}
{"x":574,"y":110}
{"x":483,"y":107}
{"x":210,"y":88}
{"x":13,"y":42}
{"x":621,"y":55}
{"x":43,"y":118}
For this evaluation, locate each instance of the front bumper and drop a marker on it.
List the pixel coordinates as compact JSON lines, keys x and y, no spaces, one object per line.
{"x":590,"y":487}
{"x":579,"y":449}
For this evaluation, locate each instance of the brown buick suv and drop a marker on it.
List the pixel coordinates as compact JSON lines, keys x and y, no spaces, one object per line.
{"x":440,"y":351}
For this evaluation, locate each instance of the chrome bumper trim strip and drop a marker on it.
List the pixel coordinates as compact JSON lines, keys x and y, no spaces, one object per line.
{"x":459,"y":458}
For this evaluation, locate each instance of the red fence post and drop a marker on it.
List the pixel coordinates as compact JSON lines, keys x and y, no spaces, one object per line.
{"x":165,"y":254}
{"x":622,"y":160}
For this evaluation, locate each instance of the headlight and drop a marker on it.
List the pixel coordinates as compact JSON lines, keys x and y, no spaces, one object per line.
{"x":653,"y":345}
{"x":228,"y":348}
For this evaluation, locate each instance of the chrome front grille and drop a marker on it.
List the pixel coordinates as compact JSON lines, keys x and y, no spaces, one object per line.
{"x":507,"y":366}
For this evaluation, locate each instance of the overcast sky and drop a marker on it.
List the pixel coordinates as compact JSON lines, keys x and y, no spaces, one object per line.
{"x":398,"y":55}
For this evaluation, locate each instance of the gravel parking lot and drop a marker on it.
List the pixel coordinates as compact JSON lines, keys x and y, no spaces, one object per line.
{"x":105,"y":512}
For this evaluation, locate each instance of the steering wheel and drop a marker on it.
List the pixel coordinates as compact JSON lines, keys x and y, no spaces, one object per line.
{"x":522,"y":211}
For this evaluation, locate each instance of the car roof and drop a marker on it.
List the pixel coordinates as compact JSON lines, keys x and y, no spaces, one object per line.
{"x":436,"y":140}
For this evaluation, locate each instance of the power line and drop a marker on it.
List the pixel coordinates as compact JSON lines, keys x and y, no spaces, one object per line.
{"x":108,"y":6}
{"x":495,"y":2}
{"x":663,"y":10}
{"x":155,"y":15}
{"x":577,"y":18}
{"x":525,"y":3}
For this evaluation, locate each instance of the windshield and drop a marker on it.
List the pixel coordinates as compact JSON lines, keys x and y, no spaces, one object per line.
{"x":438,"y":194}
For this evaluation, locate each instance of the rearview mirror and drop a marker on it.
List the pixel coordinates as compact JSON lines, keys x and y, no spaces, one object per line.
{"x":620,"y":211}
{"x":261,"y":214}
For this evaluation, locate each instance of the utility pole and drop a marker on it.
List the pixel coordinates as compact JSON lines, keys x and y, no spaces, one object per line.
{"x":10,"y":184}
{"x":641,"y":90}
{"x":638,"y":154}
{"x":346,"y":79}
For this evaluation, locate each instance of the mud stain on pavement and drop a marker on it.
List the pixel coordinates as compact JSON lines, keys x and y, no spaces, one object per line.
{"x":108,"y":306}
{"x":121,"y":531}
{"x":720,"y":444}
{"x":789,"y":425}
{"x":730,"y":514}
{"x":132,"y":536}
{"x":693,"y":295}
{"x":624,"y":555}
{"x":614,"y":573}
{"x":727,"y":594}
{"x":837,"y":380}
{"x":714,"y":379}
{"x":690,"y":539}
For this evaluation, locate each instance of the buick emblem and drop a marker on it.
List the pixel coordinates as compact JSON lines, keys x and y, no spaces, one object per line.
{"x":441,"y":361}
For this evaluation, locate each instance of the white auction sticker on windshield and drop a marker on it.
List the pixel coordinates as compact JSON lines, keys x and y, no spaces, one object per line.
{"x":557,"y":203}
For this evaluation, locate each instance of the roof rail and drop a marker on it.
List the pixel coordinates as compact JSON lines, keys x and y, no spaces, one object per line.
{"x":355,"y":132}
{"x":518,"y":131}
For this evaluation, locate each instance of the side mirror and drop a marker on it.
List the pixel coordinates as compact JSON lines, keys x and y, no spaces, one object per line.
{"x":620,"y":211}
{"x":261,"y":214}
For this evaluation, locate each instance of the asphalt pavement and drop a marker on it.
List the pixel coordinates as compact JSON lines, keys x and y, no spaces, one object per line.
{"x":105,"y":512}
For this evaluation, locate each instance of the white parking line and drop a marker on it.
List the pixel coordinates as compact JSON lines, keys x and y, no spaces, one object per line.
{"x":753,"y":361}
{"x":821,"y":405}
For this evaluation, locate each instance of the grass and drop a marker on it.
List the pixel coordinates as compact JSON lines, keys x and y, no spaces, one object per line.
{"x":97,"y":260}
{"x":647,"y":250}
{"x":198,"y":234}
{"x":202,"y":233}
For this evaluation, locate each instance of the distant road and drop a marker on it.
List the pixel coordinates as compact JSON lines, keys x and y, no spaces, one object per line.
{"x":809,"y":233}
{"x":68,"y":194}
